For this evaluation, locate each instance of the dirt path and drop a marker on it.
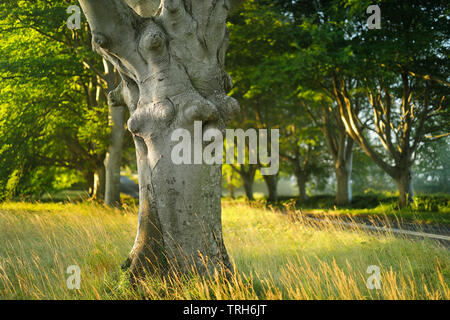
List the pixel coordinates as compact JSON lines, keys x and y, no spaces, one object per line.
{"x":434,"y":232}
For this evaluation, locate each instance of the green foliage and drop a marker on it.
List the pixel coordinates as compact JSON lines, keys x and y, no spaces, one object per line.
{"x":47,"y":115}
{"x":432,"y":169}
{"x":301,"y":50}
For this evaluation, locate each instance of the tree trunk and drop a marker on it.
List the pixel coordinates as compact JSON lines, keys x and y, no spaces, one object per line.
{"x":340,"y":146}
{"x":172,"y":70}
{"x":230,"y":185}
{"x":179,"y":215}
{"x":98,"y":191}
{"x":89,"y":177}
{"x":248,"y":186}
{"x":301,"y":184}
{"x":272,"y":184}
{"x":343,"y":182}
{"x":114,"y":157}
{"x":231,"y":190}
{"x":405,"y":187}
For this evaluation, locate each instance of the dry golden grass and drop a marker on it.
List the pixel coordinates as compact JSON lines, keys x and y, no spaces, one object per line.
{"x":276,"y":258}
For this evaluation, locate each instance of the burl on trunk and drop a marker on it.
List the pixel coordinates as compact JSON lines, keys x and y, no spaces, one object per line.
{"x":172,"y":67}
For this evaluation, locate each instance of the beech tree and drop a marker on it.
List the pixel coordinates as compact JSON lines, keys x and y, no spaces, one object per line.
{"x":405,"y":95}
{"x":53,"y":116}
{"x":170,"y":55}
{"x":47,"y":22}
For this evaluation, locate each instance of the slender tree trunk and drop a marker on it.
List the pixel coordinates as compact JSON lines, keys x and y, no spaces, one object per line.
{"x":114,"y":157}
{"x":98,"y":192}
{"x":272,"y":187}
{"x":340,"y":146}
{"x":343,"y":191}
{"x":301,"y":184}
{"x":405,"y":187}
{"x":230,"y":185}
{"x":231,"y":190}
{"x":249,"y":181}
{"x":89,"y":177}
{"x":172,"y":70}
{"x":343,"y":182}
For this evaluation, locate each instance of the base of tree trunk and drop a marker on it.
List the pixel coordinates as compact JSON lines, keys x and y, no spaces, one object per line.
{"x":301,"y":184}
{"x":405,"y":188}
{"x":272,"y":184}
{"x":343,"y":187}
{"x":180,"y":227}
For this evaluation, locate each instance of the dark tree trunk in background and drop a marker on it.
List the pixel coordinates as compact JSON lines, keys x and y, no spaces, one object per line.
{"x":248,"y":177}
{"x":98,"y":192}
{"x":231,"y":190}
{"x":248,"y":187}
{"x":301,"y":184}
{"x":340,"y":145}
{"x":405,"y":187}
{"x":89,"y":177}
{"x":343,"y":182}
{"x":272,"y":187}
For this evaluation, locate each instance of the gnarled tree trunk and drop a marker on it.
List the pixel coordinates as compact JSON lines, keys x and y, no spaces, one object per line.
{"x":172,"y":70}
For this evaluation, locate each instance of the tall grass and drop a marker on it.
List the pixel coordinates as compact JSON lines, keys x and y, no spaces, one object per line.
{"x":276,"y":257}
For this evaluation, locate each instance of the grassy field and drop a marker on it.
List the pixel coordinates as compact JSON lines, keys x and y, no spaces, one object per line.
{"x":425,"y":209}
{"x":275,"y":258}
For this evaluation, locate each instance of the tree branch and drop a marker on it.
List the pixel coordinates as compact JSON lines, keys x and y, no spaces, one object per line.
{"x":114,"y":30}
{"x":144,"y":8}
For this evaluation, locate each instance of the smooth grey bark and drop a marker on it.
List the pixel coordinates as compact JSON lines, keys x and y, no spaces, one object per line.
{"x":113,"y":158}
{"x":172,"y":70}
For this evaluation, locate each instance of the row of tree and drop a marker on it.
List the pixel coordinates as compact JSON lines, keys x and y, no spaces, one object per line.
{"x":53,"y":104}
{"x":312,"y":69}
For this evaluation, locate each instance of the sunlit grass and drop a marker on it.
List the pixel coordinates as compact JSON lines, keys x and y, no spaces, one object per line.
{"x":275,"y":257}
{"x":387,"y":211}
